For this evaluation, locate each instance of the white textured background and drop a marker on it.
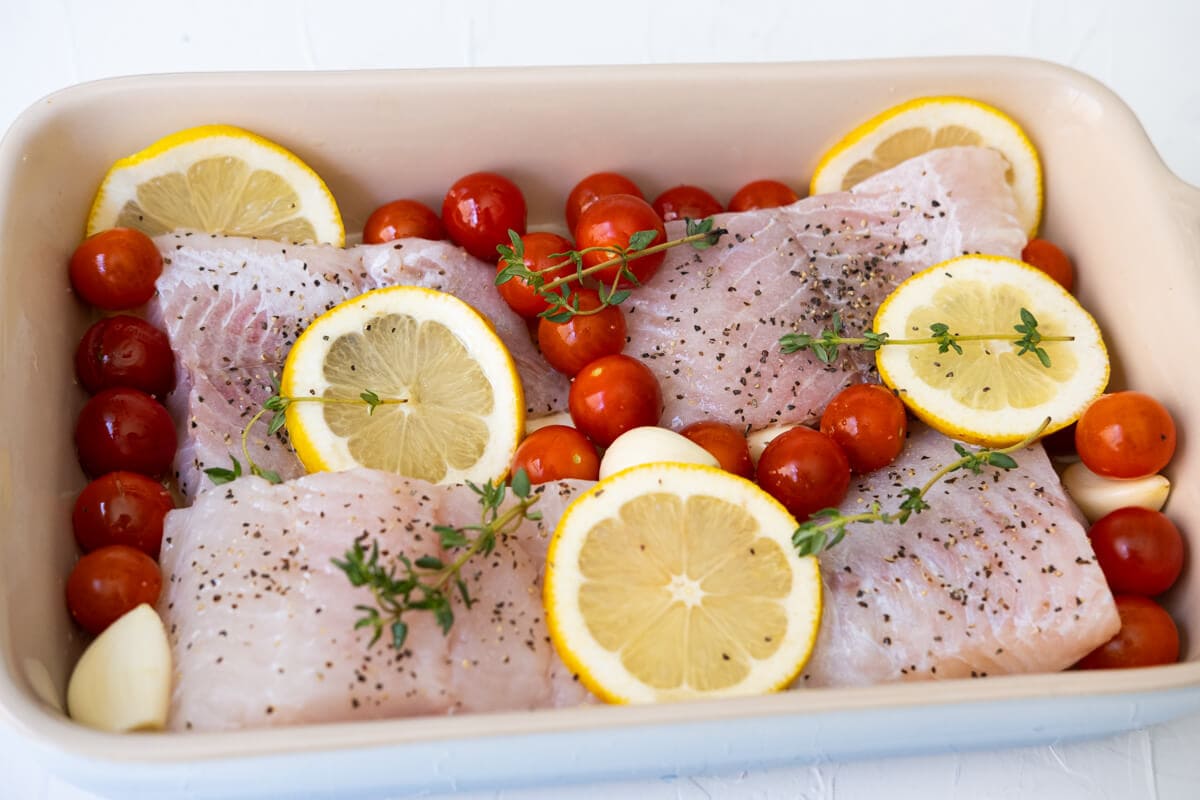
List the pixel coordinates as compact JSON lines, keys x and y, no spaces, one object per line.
{"x":1146,"y":51}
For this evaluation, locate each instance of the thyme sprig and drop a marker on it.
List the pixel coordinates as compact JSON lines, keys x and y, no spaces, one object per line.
{"x":563,"y":303}
{"x":405,"y":585}
{"x":825,"y":345}
{"x":277,"y":406}
{"x":827,"y":527}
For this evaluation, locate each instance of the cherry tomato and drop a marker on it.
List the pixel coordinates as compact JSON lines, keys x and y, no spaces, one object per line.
{"x":116,"y":269}
{"x":121,"y":508}
{"x":538,"y":249}
{"x":125,"y":351}
{"x":612,"y":395}
{"x":572,"y":345}
{"x":1139,"y":550}
{"x":401,"y":219}
{"x":869,"y":423}
{"x":610,"y":222}
{"x":725,"y":443}
{"x":762,"y":194}
{"x":1047,"y":257}
{"x":480,"y":209}
{"x":592,"y":188}
{"x":805,"y":470}
{"x":124,"y":430}
{"x":109,"y":582}
{"x":557,"y":453}
{"x":686,"y":201}
{"x":1125,"y":435}
{"x":1148,"y":637}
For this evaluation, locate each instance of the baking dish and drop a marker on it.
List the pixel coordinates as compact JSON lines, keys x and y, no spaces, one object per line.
{"x":1133,"y":228}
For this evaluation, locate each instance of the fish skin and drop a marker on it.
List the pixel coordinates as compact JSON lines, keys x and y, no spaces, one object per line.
{"x":708,"y":322}
{"x":997,"y":577}
{"x":232,"y":307}
{"x":261,"y":623}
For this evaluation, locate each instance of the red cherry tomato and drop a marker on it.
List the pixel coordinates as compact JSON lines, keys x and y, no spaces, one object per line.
{"x":572,"y":345}
{"x":805,"y":470}
{"x":1047,"y":257}
{"x":762,"y":194}
{"x":538,"y":249}
{"x":125,"y":430}
{"x":592,"y":188}
{"x":725,"y":443}
{"x":869,"y":423}
{"x":109,"y":582}
{"x":612,"y":395}
{"x":121,"y":508}
{"x":686,"y":201}
{"x":1148,"y":637}
{"x":480,"y":209}
{"x":401,"y":219}
{"x":610,"y":222}
{"x":125,"y":351}
{"x":557,"y":453}
{"x":1125,"y":435}
{"x":1139,"y":550}
{"x":116,"y":269}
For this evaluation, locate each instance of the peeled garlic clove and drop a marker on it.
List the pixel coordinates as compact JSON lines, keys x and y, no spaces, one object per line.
{"x":650,"y":445}
{"x":759,"y":440}
{"x":123,"y":680}
{"x":1096,"y":495}
{"x":557,"y":418}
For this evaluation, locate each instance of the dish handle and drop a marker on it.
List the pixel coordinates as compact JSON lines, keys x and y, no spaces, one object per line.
{"x":1186,"y":200}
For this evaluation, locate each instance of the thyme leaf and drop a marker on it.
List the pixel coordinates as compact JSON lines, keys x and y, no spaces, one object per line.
{"x":404,"y":586}
{"x":825,"y":528}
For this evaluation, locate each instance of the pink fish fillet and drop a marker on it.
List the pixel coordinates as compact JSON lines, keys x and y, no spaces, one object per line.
{"x":997,"y":577}
{"x":232,"y":308}
{"x":708,"y":323}
{"x":261,"y":622}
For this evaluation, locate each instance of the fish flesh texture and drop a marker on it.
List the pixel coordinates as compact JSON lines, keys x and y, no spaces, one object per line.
{"x":261,"y":622}
{"x":997,"y":577}
{"x":232,"y":307}
{"x":708,"y":323}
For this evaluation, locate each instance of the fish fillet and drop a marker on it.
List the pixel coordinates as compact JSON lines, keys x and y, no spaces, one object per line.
{"x":997,"y":577}
{"x":232,"y":307}
{"x":708,"y":323}
{"x":261,"y":622}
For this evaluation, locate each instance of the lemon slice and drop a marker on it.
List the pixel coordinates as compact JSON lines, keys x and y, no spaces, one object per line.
{"x":990,"y":395}
{"x":927,"y":123}
{"x":675,"y":581}
{"x":217,"y":179}
{"x":451,"y":408}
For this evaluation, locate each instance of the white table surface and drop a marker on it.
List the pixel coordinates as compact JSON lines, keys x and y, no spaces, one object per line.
{"x":1146,"y":52}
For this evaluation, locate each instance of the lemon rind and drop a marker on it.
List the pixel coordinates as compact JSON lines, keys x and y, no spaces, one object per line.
{"x":1010,"y":426}
{"x":600,"y":670}
{"x":834,"y":163}
{"x":317,"y":203}
{"x":319,"y":449}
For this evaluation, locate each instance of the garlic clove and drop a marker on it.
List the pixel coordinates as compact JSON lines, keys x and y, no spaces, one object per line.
{"x":650,"y":445}
{"x":123,"y":680}
{"x":1096,"y":495}
{"x":759,"y":439}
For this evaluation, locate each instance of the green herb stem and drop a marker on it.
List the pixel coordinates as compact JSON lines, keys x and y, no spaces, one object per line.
{"x":407,"y":586}
{"x":827,"y":527}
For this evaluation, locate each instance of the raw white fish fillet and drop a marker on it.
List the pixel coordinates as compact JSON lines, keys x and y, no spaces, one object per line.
{"x":232,"y":307}
{"x":708,"y":323}
{"x":997,"y":577}
{"x":261,"y":622}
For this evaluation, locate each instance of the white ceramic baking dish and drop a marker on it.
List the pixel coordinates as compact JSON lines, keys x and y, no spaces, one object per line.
{"x":1133,"y":228}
